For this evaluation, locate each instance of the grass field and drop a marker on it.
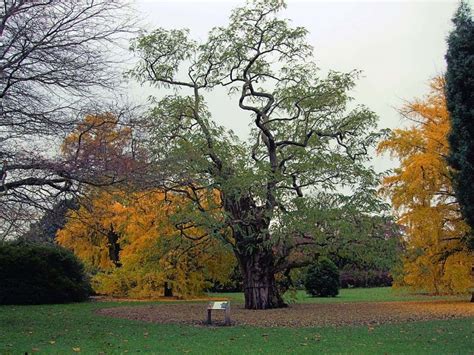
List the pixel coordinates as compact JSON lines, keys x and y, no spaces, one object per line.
{"x":75,"y":328}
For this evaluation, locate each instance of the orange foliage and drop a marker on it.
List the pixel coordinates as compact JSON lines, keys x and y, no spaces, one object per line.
{"x":101,"y":144}
{"x":421,"y":192}
{"x":99,"y":134}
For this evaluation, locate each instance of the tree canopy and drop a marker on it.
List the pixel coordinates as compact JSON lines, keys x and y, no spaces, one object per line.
{"x":436,"y":259}
{"x":134,"y":250}
{"x":460,"y":102}
{"x":125,"y":233}
{"x":308,"y":143}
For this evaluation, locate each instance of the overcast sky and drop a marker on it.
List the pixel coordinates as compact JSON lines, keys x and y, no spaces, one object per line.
{"x":399,"y":46}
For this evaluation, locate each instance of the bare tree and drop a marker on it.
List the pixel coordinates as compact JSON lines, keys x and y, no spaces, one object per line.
{"x":55,"y":62}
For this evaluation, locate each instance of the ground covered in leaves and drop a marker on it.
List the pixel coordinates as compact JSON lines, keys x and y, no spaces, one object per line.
{"x":299,"y":315}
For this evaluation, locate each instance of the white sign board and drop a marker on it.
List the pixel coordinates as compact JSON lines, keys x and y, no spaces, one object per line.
{"x":218,"y":305}
{"x":223,"y":306}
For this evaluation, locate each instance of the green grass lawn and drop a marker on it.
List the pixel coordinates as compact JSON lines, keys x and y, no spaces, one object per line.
{"x":74,"y":327}
{"x":377,"y":294}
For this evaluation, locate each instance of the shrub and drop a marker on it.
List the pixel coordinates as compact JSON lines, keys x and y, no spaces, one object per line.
{"x":365,"y":278}
{"x":322,"y":279}
{"x":32,"y":273}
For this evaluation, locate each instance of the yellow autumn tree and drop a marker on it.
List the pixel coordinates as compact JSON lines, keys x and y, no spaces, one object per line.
{"x":152,"y":255}
{"x":129,"y":239}
{"x":92,"y":233}
{"x":100,"y":143}
{"x":435,"y":259}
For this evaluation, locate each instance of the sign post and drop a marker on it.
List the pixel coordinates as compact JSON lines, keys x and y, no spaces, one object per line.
{"x":221,"y":305}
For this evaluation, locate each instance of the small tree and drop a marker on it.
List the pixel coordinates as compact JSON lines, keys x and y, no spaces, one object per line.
{"x":322,"y":279}
{"x":130,"y":240}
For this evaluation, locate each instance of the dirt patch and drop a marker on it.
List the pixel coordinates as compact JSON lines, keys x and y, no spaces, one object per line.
{"x":299,"y":315}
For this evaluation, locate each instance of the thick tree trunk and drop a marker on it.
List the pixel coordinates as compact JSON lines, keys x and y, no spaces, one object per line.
{"x":250,"y":226}
{"x":260,"y":288}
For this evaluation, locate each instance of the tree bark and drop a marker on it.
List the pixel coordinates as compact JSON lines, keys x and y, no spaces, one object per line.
{"x":256,"y":261}
{"x":260,"y":289}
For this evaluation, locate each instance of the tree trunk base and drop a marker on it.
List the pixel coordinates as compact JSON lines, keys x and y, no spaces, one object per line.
{"x":263,"y":297}
{"x":260,"y":289}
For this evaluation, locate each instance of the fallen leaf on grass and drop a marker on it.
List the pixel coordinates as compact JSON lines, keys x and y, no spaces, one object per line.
{"x":52,"y":342}
{"x":76,"y":350}
{"x":35,"y":349}
{"x":307,"y":315}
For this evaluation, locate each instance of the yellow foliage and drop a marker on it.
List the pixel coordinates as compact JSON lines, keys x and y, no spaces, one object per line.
{"x":152,"y":250}
{"x":129,"y":240}
{"x":421,"y":192}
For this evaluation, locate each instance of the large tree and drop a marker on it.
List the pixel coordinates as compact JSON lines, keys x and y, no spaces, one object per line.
{"x":460,"y":102}
{"x":308,"y":141}
{"x":435,"y":258}
{"x":55,"y":62}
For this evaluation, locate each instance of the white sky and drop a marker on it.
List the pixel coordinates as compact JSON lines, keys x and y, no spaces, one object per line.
{"x":399,"y":46}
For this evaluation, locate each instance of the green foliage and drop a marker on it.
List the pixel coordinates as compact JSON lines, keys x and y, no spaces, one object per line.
{"x":232,"y":284}
{"x":308,"y":140}
{"x":322,"y":278}
{"x":460,"y":102}
{"x":35,"y":273}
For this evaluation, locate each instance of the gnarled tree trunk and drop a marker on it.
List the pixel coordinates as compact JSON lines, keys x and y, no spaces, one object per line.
{"x":250,"y":225}
{"x":260,"y":289}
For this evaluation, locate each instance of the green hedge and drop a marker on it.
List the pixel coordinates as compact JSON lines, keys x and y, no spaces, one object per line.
{"x":32,"y":273}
